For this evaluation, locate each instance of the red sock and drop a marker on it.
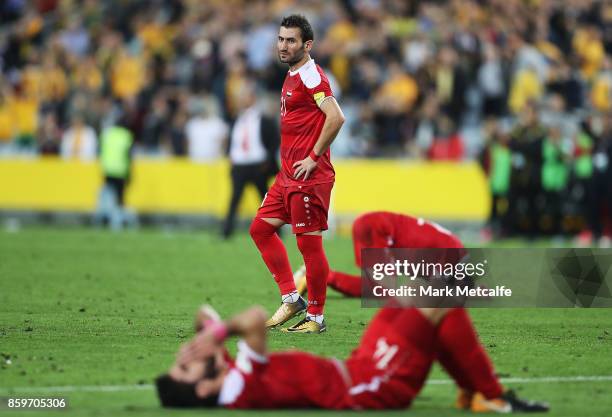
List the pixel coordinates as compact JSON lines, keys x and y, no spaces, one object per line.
{"x":273,"y":253}
{"x":317,"y":270}
{"x":451,"y":368}
{"x":462,"y":355}
{"x":347,"y":284}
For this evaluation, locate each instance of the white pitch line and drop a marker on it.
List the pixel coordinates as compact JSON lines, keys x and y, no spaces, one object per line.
{"x":536,"y":380}
{"x":146,"y":387}
{"x":77,"y":388}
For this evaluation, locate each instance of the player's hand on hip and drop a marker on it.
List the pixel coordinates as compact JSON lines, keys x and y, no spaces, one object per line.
{"x":304,"y":167}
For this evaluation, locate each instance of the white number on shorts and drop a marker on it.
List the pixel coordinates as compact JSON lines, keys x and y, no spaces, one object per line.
{"x":384,"y":353}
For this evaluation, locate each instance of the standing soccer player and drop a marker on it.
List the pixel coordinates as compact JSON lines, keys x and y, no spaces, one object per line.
{"x":310,"y":119}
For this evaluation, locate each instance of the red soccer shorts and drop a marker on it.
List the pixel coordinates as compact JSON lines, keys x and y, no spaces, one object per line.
{"x":305,"y":207}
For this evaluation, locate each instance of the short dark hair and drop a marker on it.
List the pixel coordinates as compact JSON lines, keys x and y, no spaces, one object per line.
{"x":299,"y":21}
{"x":174,"y":394}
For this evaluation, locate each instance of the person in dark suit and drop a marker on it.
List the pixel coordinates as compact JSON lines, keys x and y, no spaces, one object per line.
{"x":253,"y":145}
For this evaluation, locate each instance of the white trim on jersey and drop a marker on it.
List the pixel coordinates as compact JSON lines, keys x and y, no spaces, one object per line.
{"x":232,"y":387}
{"x":371,"y":386}
{"x":247,"y":351}
{"x":233,"y":384}
{"x":309,"y":74}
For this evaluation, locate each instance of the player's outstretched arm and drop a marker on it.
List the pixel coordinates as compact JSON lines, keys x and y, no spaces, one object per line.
{"x":250,"y":325}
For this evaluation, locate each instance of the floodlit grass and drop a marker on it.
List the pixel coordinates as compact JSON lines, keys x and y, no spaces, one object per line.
{"x":82,"y":308}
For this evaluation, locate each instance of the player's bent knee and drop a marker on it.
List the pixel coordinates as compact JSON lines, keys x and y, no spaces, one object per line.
{"x":260,"y":227}
{"x":253,"y":229}
{"x":434,"y":314}
{"x":257,"y":228}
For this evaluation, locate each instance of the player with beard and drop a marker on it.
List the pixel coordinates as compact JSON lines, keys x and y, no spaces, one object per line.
{"x":386,"y":371}
{"x":310,"y":119}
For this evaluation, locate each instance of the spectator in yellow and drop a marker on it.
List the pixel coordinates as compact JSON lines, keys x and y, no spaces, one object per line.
{"x":399,"y":92}
{"x":24,"y":110}
{"x":155,"y":37}
{"x":87,"y":76}
{"x":602,"y":88}
{"x":55,"y":85}
{"x":32,"y":77}
{"x":6,"y":120}
{"x":526,"y":87}
{"x":589,"y":48}
{"x":338,"y":40}
{"x":127,"y":75}
{"x":234,"y":83}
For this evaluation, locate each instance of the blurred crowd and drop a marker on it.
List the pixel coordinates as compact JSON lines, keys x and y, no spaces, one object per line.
{"x":523,"y":84}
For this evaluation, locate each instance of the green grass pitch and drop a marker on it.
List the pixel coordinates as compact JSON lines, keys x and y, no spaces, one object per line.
{"x":84,"y":308}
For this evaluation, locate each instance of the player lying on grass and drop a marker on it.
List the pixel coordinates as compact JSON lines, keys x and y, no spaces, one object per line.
{"x":382,"y":229}
{"x":386,"y":371}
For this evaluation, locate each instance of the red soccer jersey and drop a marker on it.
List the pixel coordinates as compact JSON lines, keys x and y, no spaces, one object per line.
{"x":382,"y":229}
{"x":387,"y":370}
{"x":301,"y":122}
{"x":283,"y":380}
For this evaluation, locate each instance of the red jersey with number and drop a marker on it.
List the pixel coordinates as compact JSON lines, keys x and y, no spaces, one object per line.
{"x":382,"y":229}
{"x":301,"y":122}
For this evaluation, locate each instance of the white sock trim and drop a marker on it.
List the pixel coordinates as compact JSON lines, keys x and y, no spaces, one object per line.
{"x":318,"y":318}
{"x":292,"y":297}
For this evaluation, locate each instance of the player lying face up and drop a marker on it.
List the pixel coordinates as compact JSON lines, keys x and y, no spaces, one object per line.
{"x":387,"y":370}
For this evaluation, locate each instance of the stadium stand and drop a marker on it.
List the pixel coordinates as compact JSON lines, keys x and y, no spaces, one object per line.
{"x":521,"y":86}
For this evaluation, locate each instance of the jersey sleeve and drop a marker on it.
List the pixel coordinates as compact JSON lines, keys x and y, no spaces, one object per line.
{"x":317,"y":85}
{"x":249,"y":361}
{"x":242,"y":385}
